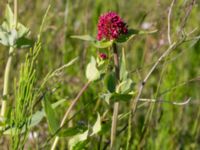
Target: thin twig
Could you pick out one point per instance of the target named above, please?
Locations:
(164, 55)
(169, 22)
(57, 71)
(74, 103)
(43, 22)
(180, 84)
(165, 101)
(184, 21)
(134, 104)
(15, 13)
(68, 112)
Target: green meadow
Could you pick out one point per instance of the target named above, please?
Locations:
(59, 94)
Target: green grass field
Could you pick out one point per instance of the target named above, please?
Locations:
(42, 87)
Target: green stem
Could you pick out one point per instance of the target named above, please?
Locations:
(116, 104)
(6, 83)
(129, 132)
(8, 68)
(114, 126)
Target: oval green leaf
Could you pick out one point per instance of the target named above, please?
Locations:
(92, 72)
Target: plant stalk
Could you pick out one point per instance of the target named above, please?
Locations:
(6, 83)
(116, 104)
(15, 13)
(68, 112)
(8, 68)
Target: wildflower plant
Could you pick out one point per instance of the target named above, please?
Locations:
(107, 70)
(112, 30)
(110, 64)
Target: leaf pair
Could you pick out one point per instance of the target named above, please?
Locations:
(11, 34)
(95, 43)
(124, 87)
(108, 43)
(121, 91)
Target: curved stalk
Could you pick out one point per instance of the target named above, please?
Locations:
(116, 104)
(6, 83)
(8, 68)
(68, 112)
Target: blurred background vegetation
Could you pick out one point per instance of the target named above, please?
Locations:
(157, 126)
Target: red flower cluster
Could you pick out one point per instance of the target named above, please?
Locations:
(103, 56)
(111, 26)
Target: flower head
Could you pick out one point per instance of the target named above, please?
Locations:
(103, 56)
(111, 26)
